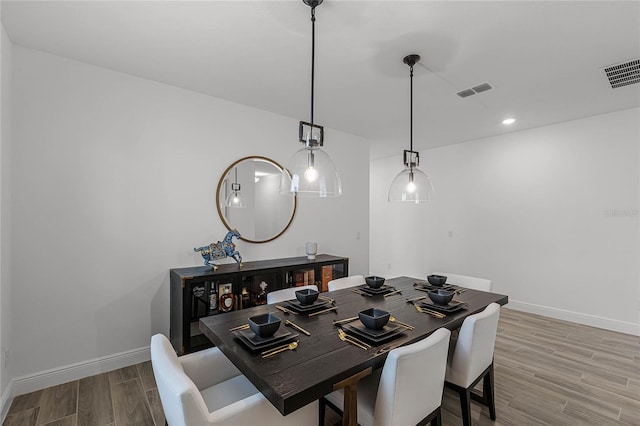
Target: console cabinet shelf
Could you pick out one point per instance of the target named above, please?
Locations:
(200, 291)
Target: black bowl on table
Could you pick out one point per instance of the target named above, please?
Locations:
(374, 282)
(264, 325)
(441, 297)
(437, 280)
(307, 296)
(374, 318)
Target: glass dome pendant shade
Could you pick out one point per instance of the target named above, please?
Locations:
(235, 198)
(411, 184)
(311, 171)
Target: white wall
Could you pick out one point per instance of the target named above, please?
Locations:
(550, 215)
(5, 230)
(114, 181)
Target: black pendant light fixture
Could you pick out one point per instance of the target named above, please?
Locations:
(235, 198)
(411, 184)
(311, 171)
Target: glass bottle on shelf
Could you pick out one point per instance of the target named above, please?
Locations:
(227, 300)
(245, 301)
(261, 298)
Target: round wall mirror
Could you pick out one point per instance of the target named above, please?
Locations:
(249, 200)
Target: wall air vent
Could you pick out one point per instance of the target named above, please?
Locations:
(623, 74)
(482, 87)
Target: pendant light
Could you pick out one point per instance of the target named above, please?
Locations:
(311, 172)
(235, 198)
(412, 184)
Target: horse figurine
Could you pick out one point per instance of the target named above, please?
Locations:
(220, 250)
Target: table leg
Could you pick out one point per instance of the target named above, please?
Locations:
(350, 407)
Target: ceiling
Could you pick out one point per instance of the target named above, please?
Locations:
(544, 58)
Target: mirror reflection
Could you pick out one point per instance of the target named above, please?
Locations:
(248, 199)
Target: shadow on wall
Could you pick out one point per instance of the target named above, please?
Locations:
(128, 322)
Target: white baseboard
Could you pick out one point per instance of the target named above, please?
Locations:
(69, 373)
(6, 398)
(577, 317)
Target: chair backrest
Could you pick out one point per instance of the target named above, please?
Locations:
(473, 283)
(287, 293)
(412, 381)
(473, 352)
(181, 400)
(346, 282)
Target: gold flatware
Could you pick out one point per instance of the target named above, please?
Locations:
(286, 310)
(400, 323)
(297, 327)
(422, 289)
(337, 322)
(240, 327)
(362, 293)
(430, 312)
(289, 347)
(328, 299)
(324, 311)
(460, 302)
(393, 292)
(346, 338)
(415, 299)
(341, 332)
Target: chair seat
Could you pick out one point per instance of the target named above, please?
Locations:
(228, 392)
(367, 392)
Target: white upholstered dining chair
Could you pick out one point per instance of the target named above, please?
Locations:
(205, 388)
(287, 293)
(346, 282)
(473, 283)
(406, 391)
(472, 360)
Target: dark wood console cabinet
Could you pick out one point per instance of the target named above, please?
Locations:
(198, 292)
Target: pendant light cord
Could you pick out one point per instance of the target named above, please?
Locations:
(313, 57)
(411, 118)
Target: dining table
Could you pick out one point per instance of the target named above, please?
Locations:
(321, 362)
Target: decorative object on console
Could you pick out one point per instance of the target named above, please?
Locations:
(220, 250)
(312, 250)
(313, 173)
(411, 184)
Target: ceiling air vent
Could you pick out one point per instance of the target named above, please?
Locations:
(623, 74)
(482, 87)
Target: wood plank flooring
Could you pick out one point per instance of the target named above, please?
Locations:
(547, 372)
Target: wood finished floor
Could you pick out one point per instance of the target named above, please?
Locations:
(548, 372)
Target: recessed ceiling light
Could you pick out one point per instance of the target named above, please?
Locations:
(508, 121)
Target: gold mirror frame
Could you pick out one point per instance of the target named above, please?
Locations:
(220, 200)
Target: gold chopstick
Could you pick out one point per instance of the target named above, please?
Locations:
(416, 298)
(328, 299)
(285, 310)
(324, 311)
(296, 326)
(361, 292)
(336, 322)
(393, 292)
(240, 327)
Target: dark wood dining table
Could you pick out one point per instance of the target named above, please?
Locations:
(322, 362)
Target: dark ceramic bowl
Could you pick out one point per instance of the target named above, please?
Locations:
(374, 318)
(264, 325)
(441, 297)
(374, 282)
(307, 296)
(437, 280)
